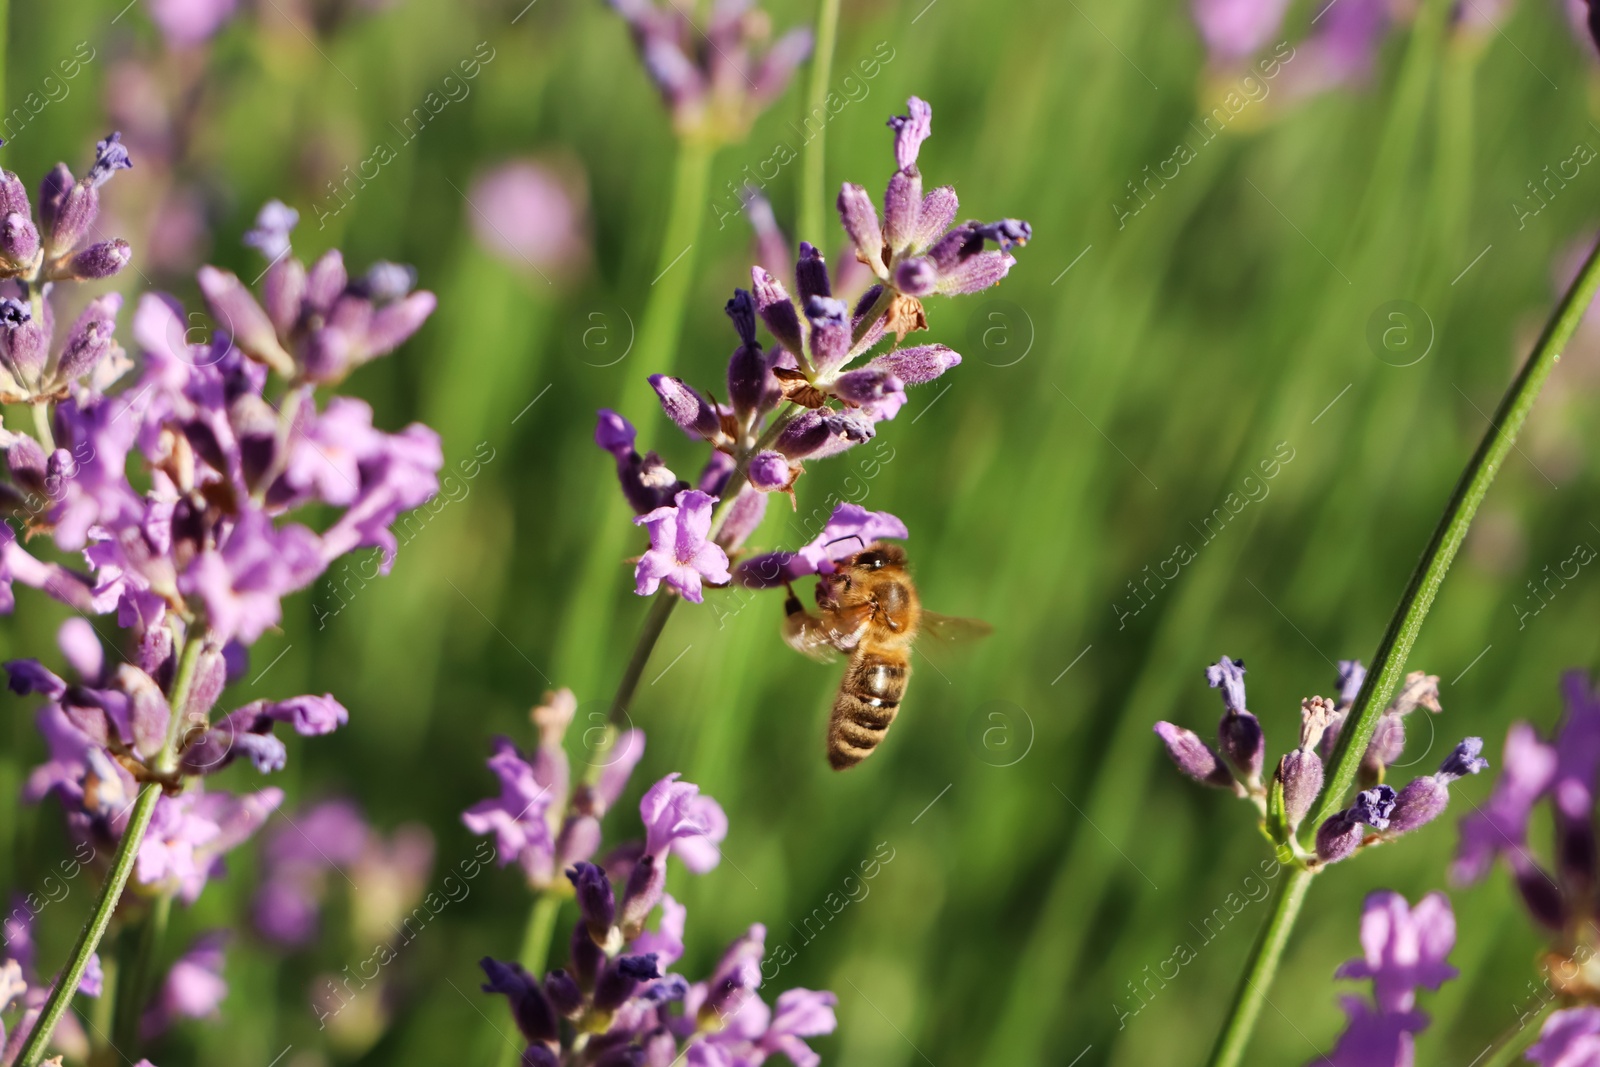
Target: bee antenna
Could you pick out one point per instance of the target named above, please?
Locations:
(847, 537)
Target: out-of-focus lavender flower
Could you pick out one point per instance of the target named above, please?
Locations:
(850, 529)
(680, 553)
(715, 78)
(189, 835)
(1234, 30)
(1403, 948)
(193, 988)
(532, 216)
(330, 834)
(517, 816)
(1341, 48)
(186, 23)
(1569, 1038)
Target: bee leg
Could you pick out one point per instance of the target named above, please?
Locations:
(792, 605)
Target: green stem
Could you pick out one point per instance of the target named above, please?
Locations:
(535, 951)
(1509, 1048)
(121, 868)
(813, 196)
(1257, 978)
(669, 292)
(41, 409)
(655, 621)
(137, 967)
(1388, 665)
(93, 930)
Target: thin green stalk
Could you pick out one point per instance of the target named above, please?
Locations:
(655, 621)
(1509, 1049)
(137, 966)
(535, 951)
(93, 930)
(41, 412)
(1388, 665)
(1257, 978)
(669, 292)
(111, 892)
(813, 196)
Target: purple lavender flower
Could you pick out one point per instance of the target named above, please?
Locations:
(1403, 948)
(517, 817)
(646, 481)
(189, 834)
(193, 988)
(186, 23)
(913, 249)
(680, 554)
(849, 530)
(677, 819)
(1341, 833)
(1500, 824)
(1569, 1038)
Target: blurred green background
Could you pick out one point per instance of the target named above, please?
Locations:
(1045, 854)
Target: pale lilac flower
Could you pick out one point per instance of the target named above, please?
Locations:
(190, 833)
(1237, 29)
(243, 581)
(679, 820)
(185, 23)
(517, 817)
(1569, 1038)
(680, 553)
(1500, 824)
(1403, 948)
(193, 988)
(274, 224)
(531, 216)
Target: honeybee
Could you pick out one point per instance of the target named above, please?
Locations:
(869, 609)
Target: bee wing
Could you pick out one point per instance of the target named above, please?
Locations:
(951, 628)
(811, 636)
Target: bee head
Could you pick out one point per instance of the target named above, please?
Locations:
(880, 556)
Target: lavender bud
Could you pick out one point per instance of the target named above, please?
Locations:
(534, 1016)
(595, 900)
(241, 317)
(1464, 760)
(746, 513)
(621, 977)
(14, 195)
(282, 292)
(714, 475)
(1193, 757)
(1337, 837)
(19, 241)
(148, 712)
(1575, 849)
(386, 282)
(211, 674)
(91, 338)
(975, 273)
(326, 281)
(910, 130)
(100, 260)
(803, 436)
(1228, 675)
(1419, 803)
(1007, 233)
(646, 882)
(902, 203)
(53, 194)
(24, 341)
(1351, 676)
(584, 957)
(770, 472)
(1300, 772)
(392, 325)
(938, 211)
(110, 156)
(916, 276)
(741, 310)
(693, 414)
(1242, 741)
(748, 377)
(563, 993)
(1373, 807)
(77, 208)
(860, 220)
(918, 364)
(811, 274)
(776, 309)
(830, 331)
(880, 393)
(26, 459)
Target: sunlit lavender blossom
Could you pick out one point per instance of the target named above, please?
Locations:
(193, 987)
(530, 215)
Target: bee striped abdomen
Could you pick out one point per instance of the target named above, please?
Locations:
(868, 700)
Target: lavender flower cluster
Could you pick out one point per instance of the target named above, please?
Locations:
(805, 397)
(615, 1002)
(173, 484)
(1378, 812)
